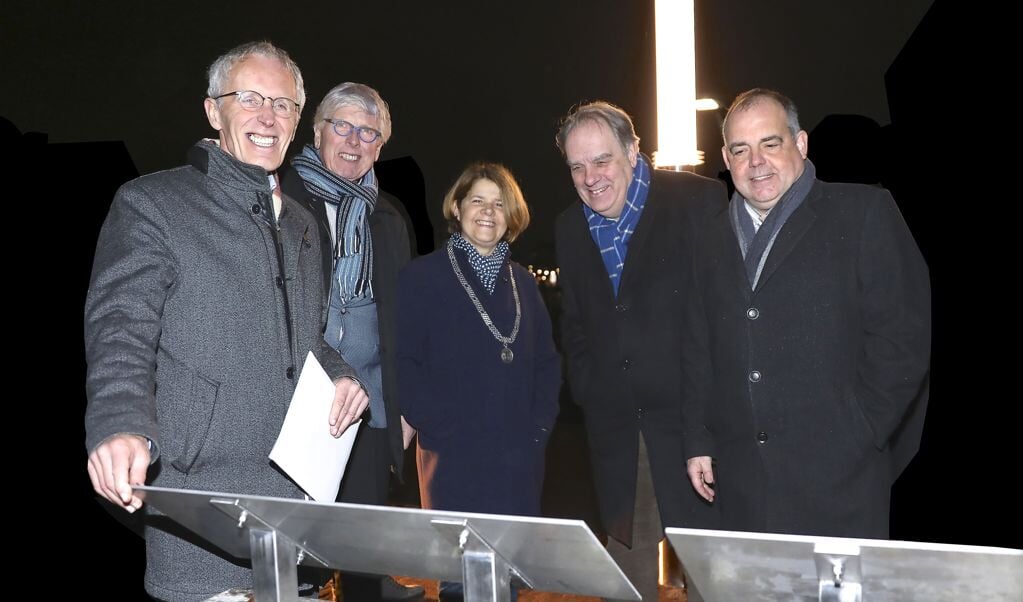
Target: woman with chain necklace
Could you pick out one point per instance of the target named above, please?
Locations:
(478, 374)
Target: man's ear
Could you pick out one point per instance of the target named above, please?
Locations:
(633, 154)
(213, 113)
(802, 143)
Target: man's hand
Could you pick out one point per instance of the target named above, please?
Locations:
(350, 401)
(115, 465)
(701, 475)
(407, 432)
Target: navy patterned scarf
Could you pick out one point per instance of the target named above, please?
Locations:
(486, 267)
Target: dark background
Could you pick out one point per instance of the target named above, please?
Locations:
(99, 93)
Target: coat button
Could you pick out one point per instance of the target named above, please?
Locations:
(256, 209)
(754, 377)
(761, 437)
(621, 308)
(290, 372)
(626, 364)
(280, 282)
(752, 313)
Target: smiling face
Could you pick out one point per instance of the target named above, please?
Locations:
(481, 216)
(762, 154)
(601, 169)
(256, 137)
(348, 157)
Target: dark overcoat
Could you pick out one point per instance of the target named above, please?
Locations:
(483, 424)
(623, 353)
(809, 391)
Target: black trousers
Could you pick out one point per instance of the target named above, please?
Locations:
(368, 473)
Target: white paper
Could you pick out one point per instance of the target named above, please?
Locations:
(305, 449)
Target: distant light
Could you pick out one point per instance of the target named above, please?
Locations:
(707, 104)
(676, 84)
(547, 277)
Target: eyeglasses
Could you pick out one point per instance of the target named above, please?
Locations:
(344, 129)
(250, 100)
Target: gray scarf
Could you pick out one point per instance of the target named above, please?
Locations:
(756, 244)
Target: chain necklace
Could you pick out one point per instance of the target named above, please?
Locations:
(506, 353)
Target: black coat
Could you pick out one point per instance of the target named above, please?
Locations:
(624, 355)
(391, 252)
(799, 387)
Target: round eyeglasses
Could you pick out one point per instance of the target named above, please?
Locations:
(250, 100)
(344, 129)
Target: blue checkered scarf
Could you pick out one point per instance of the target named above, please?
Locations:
(612, 235)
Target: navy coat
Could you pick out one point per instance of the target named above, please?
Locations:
(483, 424)
(809, 391)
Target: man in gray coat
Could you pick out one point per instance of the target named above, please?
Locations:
(206, 296)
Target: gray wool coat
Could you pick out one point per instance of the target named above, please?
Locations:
(200, 313)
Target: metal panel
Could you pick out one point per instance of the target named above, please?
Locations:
(553, 555)
(731, 565)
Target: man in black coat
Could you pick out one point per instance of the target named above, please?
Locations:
(622, 252)
(807, 345)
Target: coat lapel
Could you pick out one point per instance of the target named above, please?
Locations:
(790, 235)
(729, 256)
(591, 259)
(296, 238)
(634, 253)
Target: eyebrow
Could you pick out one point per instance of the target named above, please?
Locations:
(600, 157)
(770, 138)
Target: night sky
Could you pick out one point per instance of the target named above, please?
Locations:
(465, 80)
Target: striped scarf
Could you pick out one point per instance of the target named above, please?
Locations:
(612, 235)
(352, 203)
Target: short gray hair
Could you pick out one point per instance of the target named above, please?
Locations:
(220, 69)
(750, 98)
(350, 94)
(617, 120)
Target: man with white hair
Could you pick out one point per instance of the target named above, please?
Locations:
(206, 296)
(364, 243)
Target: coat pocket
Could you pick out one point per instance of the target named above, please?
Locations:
(860, 427)
(186, 400)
